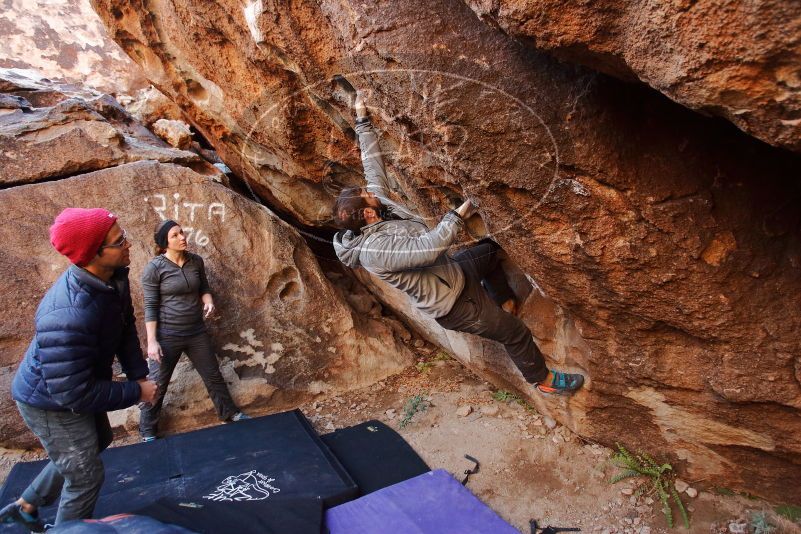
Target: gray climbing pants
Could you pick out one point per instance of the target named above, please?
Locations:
(73, 443)
(475, 312)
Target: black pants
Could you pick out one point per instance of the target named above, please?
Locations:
(199, 350)
(476, 313)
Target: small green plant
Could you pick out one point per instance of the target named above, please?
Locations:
(760, 523)
(441, 356)
(789, 511)
(424, 367)
(660, 475)
(415, 404)
(505, 396)
(724, 491)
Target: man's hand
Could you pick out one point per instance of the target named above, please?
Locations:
(359, 106)
(466, 210)
(208, 309)
(148, 388)
(154, 351)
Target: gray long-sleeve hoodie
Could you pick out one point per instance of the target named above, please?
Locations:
(403, 252)
(172, 295)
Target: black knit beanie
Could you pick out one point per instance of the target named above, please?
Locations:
(160, 236)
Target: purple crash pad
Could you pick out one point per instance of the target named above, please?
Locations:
(431, 503)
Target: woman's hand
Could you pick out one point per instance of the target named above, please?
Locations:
(208, 308)
(154, 351)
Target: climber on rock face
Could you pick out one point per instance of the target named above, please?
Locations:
(397, 246)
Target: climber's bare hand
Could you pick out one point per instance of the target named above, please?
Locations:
(359, 105)
(466, 210)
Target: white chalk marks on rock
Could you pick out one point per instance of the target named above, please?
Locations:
(191, 215)
(255, 349)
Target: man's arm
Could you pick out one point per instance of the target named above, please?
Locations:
(386, 252)
(67, 352)
(373, 162)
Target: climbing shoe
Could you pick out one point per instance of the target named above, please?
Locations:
(13, 513)
(562, 384)
(148, 439)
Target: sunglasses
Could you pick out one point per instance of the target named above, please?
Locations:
(121, 242)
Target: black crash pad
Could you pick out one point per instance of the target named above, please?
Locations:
(276, 515)
(247, 461)
(374, 455)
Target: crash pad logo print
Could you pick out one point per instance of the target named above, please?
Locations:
(250, 486)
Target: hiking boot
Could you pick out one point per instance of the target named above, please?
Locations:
(13, 513)
(563, 384)
(239, 416)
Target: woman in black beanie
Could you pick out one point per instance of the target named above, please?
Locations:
(177, 299)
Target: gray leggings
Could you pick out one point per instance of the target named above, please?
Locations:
(476, 313)
(201, 353)
(73, 443)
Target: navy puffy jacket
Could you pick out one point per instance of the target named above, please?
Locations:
(81, 324)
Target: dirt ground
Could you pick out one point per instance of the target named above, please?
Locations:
(531, 467)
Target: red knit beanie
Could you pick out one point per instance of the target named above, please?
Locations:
(78, 233)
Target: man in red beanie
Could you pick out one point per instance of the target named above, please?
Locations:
(64, 387)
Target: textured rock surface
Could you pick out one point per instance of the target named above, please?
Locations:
(176, 133)
(64, 39)
(671, 240)
(149, 105)
(739, 60)
(283, 330)
(73, 132)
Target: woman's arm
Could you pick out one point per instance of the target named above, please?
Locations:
(205, 291)
(153, 345)
(208, 304)
(151, 286)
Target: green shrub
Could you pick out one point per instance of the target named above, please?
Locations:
(789, 511)
(505, 396)
(661, 478)
(424, 367)
(760, 523)
(415, 404)
(441, 356)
